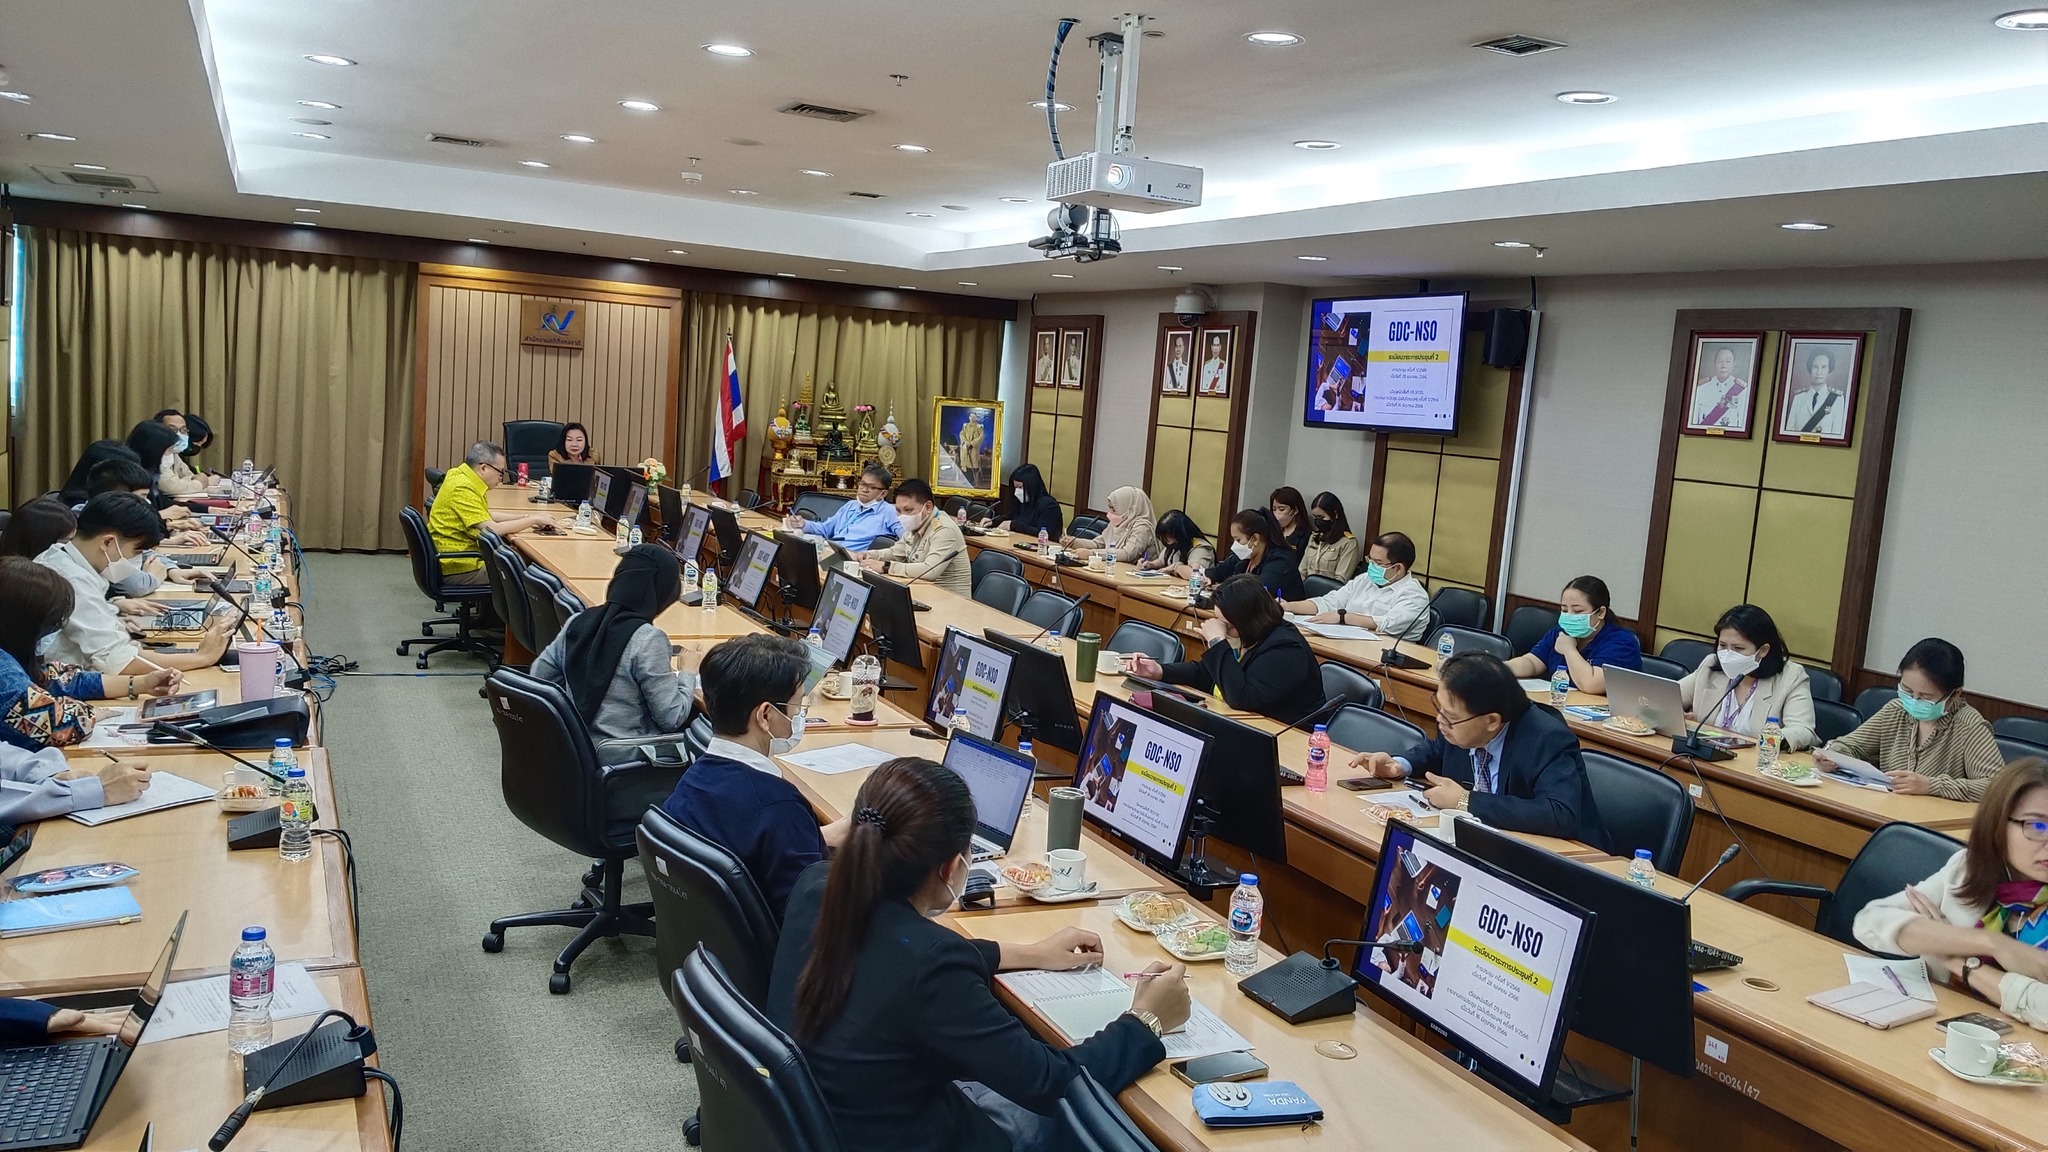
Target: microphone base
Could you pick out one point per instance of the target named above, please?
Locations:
(1699, 749)
(1395, 658)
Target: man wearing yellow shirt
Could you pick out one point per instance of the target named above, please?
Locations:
(462, 510)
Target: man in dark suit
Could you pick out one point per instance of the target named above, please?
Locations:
(1511, 763)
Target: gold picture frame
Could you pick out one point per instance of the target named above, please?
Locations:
(966, 448)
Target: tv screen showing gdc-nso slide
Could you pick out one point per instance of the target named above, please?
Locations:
(1385, 363)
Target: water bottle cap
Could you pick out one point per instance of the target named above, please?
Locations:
(252, 933)
(1642, 853)
(1246, 878)
(1323, 729)
(296, 773)
(281, 742)
(1770, 719)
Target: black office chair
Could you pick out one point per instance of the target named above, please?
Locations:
(1465, 640)
(554, 784)
(540, 586)
(1086, 527)
(1668, 669)
(1833, 719)
(1896, 855)
(567, 605)
(1363, 729)
(1096, 1122)
(1049, 610)
(1002, 591)
(1461, 606)
(953, 506)
(1642, 808)
(881, 542)
(1824, 684)
(989, 560)
(756, 1092)
(2013, 748)
(467, 599)
(1687, 652)
(528, 442)
(1870, 700)
(1527, 624)
(504, 586)
(703, 895)
(520, 623)
(434, 477)
(1343, 682)
(2032, 729)
(1314, 586)
(749, 499)
(976, 511)
(817, 505)
(1150, 639)
(5, 518)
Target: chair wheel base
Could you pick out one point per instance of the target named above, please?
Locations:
(401, 650)
(493, 942)
(693, 1131)
(558, 983)
(683, 1050)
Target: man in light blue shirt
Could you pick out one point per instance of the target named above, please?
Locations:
(862, 520)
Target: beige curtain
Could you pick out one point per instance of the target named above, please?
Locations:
(878, 358)
(297, 360)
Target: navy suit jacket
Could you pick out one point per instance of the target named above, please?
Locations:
(1541, 780)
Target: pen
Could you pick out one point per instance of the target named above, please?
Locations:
(1893, 976)
(1142, 975)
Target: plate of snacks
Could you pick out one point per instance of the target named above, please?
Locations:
(1196, 941)
(244, 797)
(1153, 912)
(1629, 725)
(1028, 877)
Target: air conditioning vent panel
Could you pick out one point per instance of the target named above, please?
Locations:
(1520, 45)
(97, 181)
(814, 111)
(458, 141)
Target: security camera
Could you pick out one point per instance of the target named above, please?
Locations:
(1191, 305)
(692, 176)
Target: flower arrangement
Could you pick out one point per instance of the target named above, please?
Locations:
(654, 470)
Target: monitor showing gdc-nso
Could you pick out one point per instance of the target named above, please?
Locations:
(1385, 363)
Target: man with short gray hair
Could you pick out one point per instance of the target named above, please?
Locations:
(462, 511)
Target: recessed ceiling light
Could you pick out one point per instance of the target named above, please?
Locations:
(1274, 39)
(536, 164)
(1317, 259)
(1056, 106)
(968, 283)
(640, 259)
(733, 50)
(743, 191)
(57, 136)
(1063, 275)
(326, 104)
(1015, 199)
(910, 147)
(578, 138)
(820, 172)
(1512, 244)
(313, 135)
(956, 207)
(308, 211)
(639, 106)
(91, 167)
(331, 61)
(311, 120)
(142, 206)
(1170, 268)
(1317, 145)
(17, 97)
(835, 269)
(678, 252)
(785, 273)
(1804, 226)
(2030, 20)
(921, 215)
(1587, 97)
(476, 240)
(908, 287)
(306, 223)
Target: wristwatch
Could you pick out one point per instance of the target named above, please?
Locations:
(1150, 1021)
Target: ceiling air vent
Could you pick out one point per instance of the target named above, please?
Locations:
(1519, 45)
(824, 112)
(865, 195)
(458, 141)
(103, 181)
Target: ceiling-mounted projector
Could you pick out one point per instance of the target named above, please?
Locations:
(1130, 183)
(1081, 234)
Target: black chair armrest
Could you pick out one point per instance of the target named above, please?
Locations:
(1745, 890)
(471, 555)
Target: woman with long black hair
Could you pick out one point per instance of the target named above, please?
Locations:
(1029, 507)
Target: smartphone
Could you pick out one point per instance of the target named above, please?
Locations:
(177, 707)
(1225, 1066)
(1978, 1018)
(1365, 784)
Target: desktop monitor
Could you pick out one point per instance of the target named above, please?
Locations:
(893, 621)
(971, 674)
(632, 506)
(1041, 698)
(1240, 791)
(695, 521)
(730, 534)
(841, 605)
(1637, 991)
(671, 505)
(796, 558)
(750, 571)
(1499, 961)
(601, 493)
(571, 483)
(1138, 773)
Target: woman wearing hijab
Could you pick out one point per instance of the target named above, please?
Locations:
(1130, 529)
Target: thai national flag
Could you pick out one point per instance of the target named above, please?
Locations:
(732, 418)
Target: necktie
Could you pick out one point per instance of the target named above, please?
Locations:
(1482, 770)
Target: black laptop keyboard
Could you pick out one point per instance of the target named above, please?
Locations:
(39, 1090)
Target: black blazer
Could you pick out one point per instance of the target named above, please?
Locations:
(1277, 677)
(1044, 512)
(1297, 541)
(922, 1014)
(1542, 780)
(1277, 570)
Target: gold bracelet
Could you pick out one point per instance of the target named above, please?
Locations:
(131, 687)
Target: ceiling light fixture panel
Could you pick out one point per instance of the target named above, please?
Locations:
(578, 138)
(916, 149)
(639, 105)
(730, 51)
(323, 105)
(1804, 226)
(1273, 39)
(2029, 20)
(331, 61)
(1317, 145)
(1586, 98)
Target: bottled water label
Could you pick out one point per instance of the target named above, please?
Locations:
(1243, 919)
(251, 980)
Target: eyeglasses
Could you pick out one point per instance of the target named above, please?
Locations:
(1443, 721)
(2035, 830)
(867, 486)
(492, 467)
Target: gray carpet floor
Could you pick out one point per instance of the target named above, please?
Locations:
(487, 1057)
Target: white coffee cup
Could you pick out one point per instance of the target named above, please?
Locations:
(1972, 1048)
(1109, 664)
(1070, 870)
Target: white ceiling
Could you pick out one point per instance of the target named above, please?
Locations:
(1916, 128)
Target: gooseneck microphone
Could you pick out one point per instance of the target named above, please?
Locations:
(1691, 745)
(1075, 612)
(1393, 657)
(1727, 854)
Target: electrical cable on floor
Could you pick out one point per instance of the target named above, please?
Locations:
(397, 1103)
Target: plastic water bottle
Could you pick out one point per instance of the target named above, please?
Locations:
(816, 637)
(252, 978)
(1316, 776)
(245, 479)
(1641, 870)
(282, 762)
(1560, 687)
(1044, 543)
(295, 817)
(1052, 641)
(264, 586)
(1767, 742)
(1446, 647)
(963, 514)
(522, 474)
(1247, 909)
(1024, 750)
(691, 573)
(636, 536)
(583, 514)
(252, 530)
(709, 589)
(960, 723)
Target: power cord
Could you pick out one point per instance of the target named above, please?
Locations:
(1052, 117)
(348, 857)
(357, 1035)
(1718, 810)
(397, 1103)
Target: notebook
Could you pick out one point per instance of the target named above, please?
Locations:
(164, 791)
(87, 908)
(1879, 1007)
(1082, 1003)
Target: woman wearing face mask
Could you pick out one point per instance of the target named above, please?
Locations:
(1290, 518)
(1750, 655)
(1179, 547)
(895, 1014)
(1255, 658)
(734, 794)
(1030, 507)
(1256, 548)
(1584, 640)
(114, 530)
(615, 662)
(42, 706)
(1130, 530)
(1332, 549)
(157, 445)
(1982, 921)
(1929, 741)
(174, 476)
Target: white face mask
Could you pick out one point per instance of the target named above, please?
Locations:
(952, 897)
(784, 745)
(913, 521)
(1737, 664)
(184, 442)
(120, 568)
(1020, 494)
(46, 645)
(1241, 550)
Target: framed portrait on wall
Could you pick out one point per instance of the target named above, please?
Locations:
(1817, 387)
(967, 441)
(1073, 355)
(1720, 393)
(1176, 370)
(1216, 361)
(1045, 359)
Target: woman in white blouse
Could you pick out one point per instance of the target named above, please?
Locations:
(1749, 652)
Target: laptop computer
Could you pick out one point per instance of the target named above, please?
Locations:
(50, 1094)
(1000, 779)
(1652, 699)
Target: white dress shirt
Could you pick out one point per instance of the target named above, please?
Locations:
(1394, 608)
(93, 636)
(732, 750)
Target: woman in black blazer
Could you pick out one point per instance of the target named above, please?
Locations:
(1256, 547)
(1256, 658)
(895, 1014)
(1030, 507)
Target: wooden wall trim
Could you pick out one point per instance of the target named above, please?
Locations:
(535, 283)
(1091, 388)
(423, 250)
(1503, 485)
(1240, 397)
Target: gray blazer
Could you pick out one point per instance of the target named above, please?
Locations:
(645, 700)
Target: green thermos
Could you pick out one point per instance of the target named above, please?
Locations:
(1086, 653)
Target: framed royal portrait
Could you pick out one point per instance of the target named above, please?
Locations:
(1045, 359)
(1817, 388)
(1177, 363)
(1073, 358)
(1720, 391)
(967, 442)
(1216, 350)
